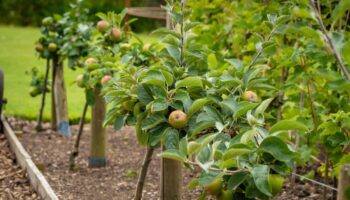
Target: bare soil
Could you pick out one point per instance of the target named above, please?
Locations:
(118, 179)
(14, 183)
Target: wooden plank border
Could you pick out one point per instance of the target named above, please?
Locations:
(37, 179)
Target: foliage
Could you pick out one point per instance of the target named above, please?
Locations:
(30, 12)
(264, 50)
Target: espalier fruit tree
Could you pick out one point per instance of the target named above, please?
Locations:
(307, 62)
(99, 67)
(62, 38)
(109, 52)
(197, 108)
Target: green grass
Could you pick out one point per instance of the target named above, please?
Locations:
(17, 56)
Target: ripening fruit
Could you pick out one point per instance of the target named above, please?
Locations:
(146, 46)
(215, 187)
(102, 26)
(105, 79)
(250, 96)
(116, 34)
(125, 46)
(39, 47)
(276, 183)
(80, 80)
(225, 195)
(47, 21)
(90, 63)
(52, 47)
(178, 119)
(35, 92)
(129, 105)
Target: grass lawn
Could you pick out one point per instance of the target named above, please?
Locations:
(17, 55)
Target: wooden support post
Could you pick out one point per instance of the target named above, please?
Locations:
(53, 107)
(344, 183)
(98, 133)
(61, 107)
(171, 177)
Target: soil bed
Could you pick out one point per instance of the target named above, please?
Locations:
(117, 181)
(14, 183)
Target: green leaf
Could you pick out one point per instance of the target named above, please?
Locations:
(340, 10)
(144, 94)
(184, 98)
(285, 125)
(152, 121)
(154, 77)
(198, 127)
(190, 25)
(90, 97)
(235, 152)
(174, 52)
(142, 137)
(171, 138)
(276, 147)
(119, 122)
(243, 107)
(192, 81)
(260, 175)
(262, 107)
(183, 145)
(173, 154)
(197, 105)
(236, 179)
(168, 76)
(212, 62)
(159, 104)
(166, 31)
(346, 52)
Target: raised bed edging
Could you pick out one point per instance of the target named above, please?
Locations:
(37, 179)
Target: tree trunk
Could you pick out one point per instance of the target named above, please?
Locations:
(143, 172)
(61, 99)
(75, 151)
(98, 140)
(43, 98)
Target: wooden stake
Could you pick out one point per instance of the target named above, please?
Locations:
(98, 139)
(53, 107)
(171, 179)
(43, 92)
(344, 182)
(61, 99)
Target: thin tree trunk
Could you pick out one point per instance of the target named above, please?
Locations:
(61, 99)
(43, 92)
(98, 140)
(143, 172)
(75, 151)
(284, 75)
(53, 106)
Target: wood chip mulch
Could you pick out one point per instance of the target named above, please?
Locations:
(116, 181)
(14, 183)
